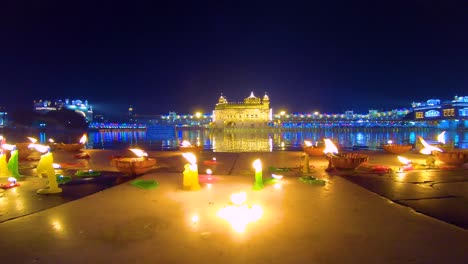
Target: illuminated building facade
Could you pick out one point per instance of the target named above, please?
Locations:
(83, 108)
(453, 113)
(3, 117)
(254, 112)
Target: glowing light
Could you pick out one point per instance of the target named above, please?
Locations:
(140, 153)
(441, 137)
(195, 219)
(278, 177)
(404, 160)
(33, 140)
(282, 113)
(208, 171)
(308, 143)
(51, 140)
(389, 142)
(427, 150)
(257, 164)
(56, 225)
(239, 214)
(214, 159)
(329, 146)
(40, 148)
(12, 180)
(83, 139)
(8, 147)
(56, 166)
(197, 114)
(277, 185)
(190, 157)
(185, 143)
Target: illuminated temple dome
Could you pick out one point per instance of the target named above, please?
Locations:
(254, 112)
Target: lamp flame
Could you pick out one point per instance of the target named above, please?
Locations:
(404, 160)
(190, 157)
(390, 142)
(140, 153)
(257, 164)
(308, 143)
(276, 176)
(39, 147)
(8, 147)
(427, 150)
(12, 180)
(33, 140)
(56, 166)
(329, 146)
(51, 140)
(185, 143)
(209, 171)
(83, 139)
(441, 137)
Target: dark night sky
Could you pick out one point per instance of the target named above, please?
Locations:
(159, 56)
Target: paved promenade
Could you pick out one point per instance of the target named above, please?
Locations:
(341, 222)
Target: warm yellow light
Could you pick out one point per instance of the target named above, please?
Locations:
(209, 171)
(282, 113)
(390, 142)
(190, 157)
(185, 143)
(39, 147)
(51, 140)
(441, 137)
(427, 147)
(33, 140)
(329, 146)
(195, 219)
(197, 114)
(56, 166)
(239, 214)
(83, 139)
(257, 164)
(308, 143)
(8, 147)
(276, 176)
(404, 160)
(238, 198)
(140, 153)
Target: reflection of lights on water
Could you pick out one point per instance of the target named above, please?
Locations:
(239, 214)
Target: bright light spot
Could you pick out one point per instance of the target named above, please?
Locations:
(239, 214)
(208, 171)
(282, 113)
(83, 139)
(140, 153)
(209, 185)
(329, 146)
(56, 166)
(404, 160)
(441, 137)
(195, 219)
(190, 157)
(257, 164)
(51, 140)
(33, 140)
(427, 150)
(185, 143)
(40, 148)
(12, 180)
(277, 185)
(308, 143)
(389, 142)
(276, 176)
(8, 146)
(56, 225)
(198, 114)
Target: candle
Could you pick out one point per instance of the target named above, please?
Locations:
(45, 166)
(190, 180)
(3, 166)
(13, 164)
(257, 164)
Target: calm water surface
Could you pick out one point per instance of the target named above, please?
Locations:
(248, 140)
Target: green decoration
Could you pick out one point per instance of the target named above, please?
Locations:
(62, 179)
(312, 180)
(145, 184)
(87, 173)
(274, 169)
(13, 164)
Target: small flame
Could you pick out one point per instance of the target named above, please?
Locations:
(33, 140)
(329, 146)
(40, 148)
(390, 142)
(83, 139)
(238, 198)
(56, 166)
(8, 147)
(441, 137)
(51, 140)
(276, 176)
(404, 160)
(190, 157)
(427, 148)
(185, 143)
(12, 180)
(208, 171)
(308, 143)
(195, 219)
(257, 164)
(140, 153)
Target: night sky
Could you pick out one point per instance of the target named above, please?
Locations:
(162, 56)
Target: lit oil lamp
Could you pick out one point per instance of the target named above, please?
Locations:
(239, 214)
(428, 149)
(134, 166)
(190, 180)
(342, 160)
(258, 185)
(441, 137)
